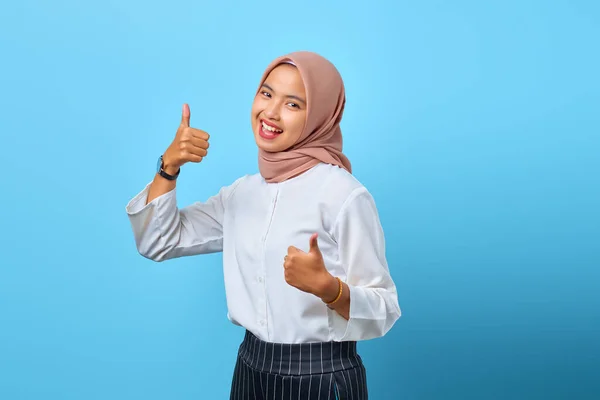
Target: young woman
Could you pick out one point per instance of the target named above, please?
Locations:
(303, 248)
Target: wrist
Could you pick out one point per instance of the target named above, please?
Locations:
(170, 167)
(329, 289)
(171, 170)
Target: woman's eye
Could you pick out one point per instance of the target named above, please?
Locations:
(266, 94)
(293, 105)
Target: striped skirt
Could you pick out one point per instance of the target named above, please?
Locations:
(319, 371)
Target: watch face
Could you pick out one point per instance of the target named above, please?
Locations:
(159, 164)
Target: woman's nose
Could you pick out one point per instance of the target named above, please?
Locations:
(272, 110)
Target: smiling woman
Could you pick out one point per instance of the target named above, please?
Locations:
(303, 249)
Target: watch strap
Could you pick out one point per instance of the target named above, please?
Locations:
(164, 174)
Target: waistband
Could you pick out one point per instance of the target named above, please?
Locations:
(298, 358)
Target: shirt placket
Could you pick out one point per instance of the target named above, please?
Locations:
(262, 276)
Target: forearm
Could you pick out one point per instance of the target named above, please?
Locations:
(330, 292)
(161, 185)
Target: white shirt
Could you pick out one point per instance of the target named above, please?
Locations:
(253, 223)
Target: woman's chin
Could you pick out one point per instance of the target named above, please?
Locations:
(271, 145)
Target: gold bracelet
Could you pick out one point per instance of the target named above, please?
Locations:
(339, 292)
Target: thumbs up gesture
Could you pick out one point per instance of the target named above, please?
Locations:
(189, 145)
(307, 271)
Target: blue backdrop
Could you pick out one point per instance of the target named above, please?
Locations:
(474, 124)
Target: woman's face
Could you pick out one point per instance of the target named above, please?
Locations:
(279, 110)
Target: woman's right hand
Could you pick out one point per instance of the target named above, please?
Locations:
(189, 145)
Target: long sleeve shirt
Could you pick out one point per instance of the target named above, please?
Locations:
(253, 223)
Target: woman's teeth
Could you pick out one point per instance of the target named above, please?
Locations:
(270, 129)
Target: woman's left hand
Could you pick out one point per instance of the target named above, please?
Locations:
(307, 272)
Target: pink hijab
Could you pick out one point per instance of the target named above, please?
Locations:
(321, 140)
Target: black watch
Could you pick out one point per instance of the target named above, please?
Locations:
(161, 171)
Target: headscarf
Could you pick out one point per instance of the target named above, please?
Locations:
(321, 139)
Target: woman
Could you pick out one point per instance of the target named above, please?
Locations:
(303, 249)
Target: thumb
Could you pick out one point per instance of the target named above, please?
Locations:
(314, 246)
(185, 116)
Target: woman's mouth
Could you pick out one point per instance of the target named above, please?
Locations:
(268, 131)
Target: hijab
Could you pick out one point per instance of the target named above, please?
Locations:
(321, 139)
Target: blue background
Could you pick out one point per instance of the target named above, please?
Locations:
(474, 124)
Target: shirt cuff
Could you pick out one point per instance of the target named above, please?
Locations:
(138, 203)
(348, 329)
(368, 317)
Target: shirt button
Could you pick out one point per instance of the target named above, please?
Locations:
(260, 279)
(262, 322)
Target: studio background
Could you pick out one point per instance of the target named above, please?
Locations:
(475, 125)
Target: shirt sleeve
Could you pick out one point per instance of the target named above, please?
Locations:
(162, 231)
(373, 297)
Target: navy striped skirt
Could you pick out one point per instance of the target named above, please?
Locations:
(320, 371)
